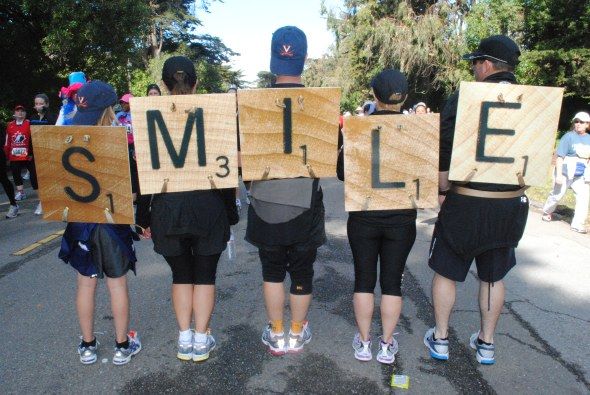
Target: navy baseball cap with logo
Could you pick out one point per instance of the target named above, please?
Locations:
(288, 50)
(390, 86)
(496, 48)
(93, 97)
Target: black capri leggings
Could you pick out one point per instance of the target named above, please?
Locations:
(17, 166)
(193, 269)
(297, 260)
(391, 245)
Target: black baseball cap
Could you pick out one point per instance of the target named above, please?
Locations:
(92, 99)
(390, 86)
(496, 48)
(176, 64)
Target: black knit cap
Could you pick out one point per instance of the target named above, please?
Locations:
(390, 86)
(177, 64)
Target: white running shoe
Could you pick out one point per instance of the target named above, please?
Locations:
(39, 209)
(387, 351)
(20, 195)
(362, 349)
(12, 211)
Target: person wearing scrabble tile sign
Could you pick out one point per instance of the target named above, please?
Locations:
(481, 221)
(386, 236)
(286, 220)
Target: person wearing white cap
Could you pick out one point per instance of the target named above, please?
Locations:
(572, 170)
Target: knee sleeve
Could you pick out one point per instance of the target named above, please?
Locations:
(205, 269)
(182, 270)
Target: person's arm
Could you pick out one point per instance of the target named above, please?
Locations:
(6, 142)
(561, 152)
(143, 214)
(447, 131)
(560, 178)
(340, 160)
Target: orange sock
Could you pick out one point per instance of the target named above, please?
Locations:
(297, 327)
(276, 326)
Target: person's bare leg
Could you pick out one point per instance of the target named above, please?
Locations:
(489, 318)
(203, 305)
(299, 305)
(363, 303)
(119, 306)
(391, 308)
(182, 300)
(443, 300)
(85, 305)
(274, 300)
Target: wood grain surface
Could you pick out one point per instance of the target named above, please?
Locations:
(270, 150)
(502, 130)
(380, 150)
(98, 151)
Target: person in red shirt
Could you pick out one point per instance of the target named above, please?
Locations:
(18, 150)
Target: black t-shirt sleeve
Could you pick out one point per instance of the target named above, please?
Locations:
(447, 132)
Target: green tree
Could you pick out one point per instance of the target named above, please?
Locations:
(265, 79)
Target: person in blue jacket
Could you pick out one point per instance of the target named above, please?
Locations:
(99, 250)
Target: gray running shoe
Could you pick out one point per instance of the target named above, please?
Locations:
(123, 355)
(362, 350)
(387, 351)
(201, 350)
(483, 352)
(39, 209)
(275, 342)
(12, 211)
(185, 351)
(87, 354)
(298, 341)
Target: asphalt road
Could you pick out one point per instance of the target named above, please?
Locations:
(541, 342)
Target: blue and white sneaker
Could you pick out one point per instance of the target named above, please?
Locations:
(362, 349)
(185, 350)
(123, 355)
(201, 350)
(87, 354)
(483, 352)
(439, 349)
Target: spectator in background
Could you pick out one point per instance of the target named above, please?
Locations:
(68, 97)
(7, 185)
(572, 170)
(154, 90)
(368, 108)
(42, 115)
(17, 148)
(420, 108)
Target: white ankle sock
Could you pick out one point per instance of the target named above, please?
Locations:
(200, 337)
(185, 336)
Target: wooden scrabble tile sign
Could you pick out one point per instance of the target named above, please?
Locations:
(185, 142)
(288, 132)
(83, 173)
(391, 162)
(503, 132)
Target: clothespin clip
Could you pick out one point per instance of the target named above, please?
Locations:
(279, 104)
(520, 179)
(471, 175)
(213, 186)
(108, 216)
(165, 185)
(519, 98)
(300, 102)
(414, 204)
(172, 107)
(367, 202)
(86, 138)
(501, 98)
(64, 215)
(266, 171)
(189, 110)
(310, 170)
(69, 139)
